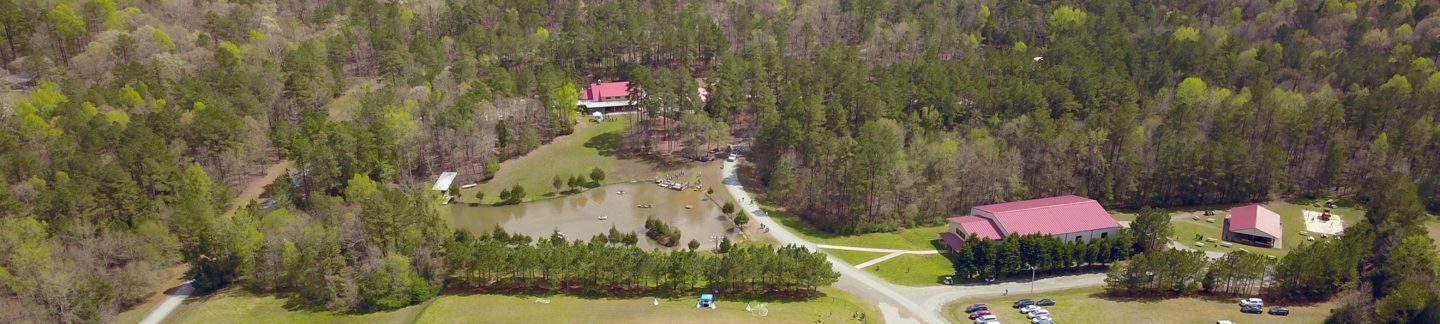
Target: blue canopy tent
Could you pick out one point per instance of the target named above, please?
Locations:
(706, 301)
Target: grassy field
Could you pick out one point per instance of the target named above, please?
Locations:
(837, 307)
(920, 238)
(914, 269)
(910, 270)
(855, 257)
(232, 305)
(235, 306)
(1084, 305)
(1291, 220)
(592, 145)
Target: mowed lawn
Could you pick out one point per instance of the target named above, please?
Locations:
(1085, 305)
(593, 145)
(836, 307)
(920, 238)
(908, 269)
(1292, 222)
(235, 306)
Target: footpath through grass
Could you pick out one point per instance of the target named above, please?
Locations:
(1086, 305)
(235, 306)
(908, 269)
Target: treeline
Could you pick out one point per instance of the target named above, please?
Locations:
(1017, 254)
(597, 267)
(1178, 272)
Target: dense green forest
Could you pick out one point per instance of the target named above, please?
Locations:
(128, 126)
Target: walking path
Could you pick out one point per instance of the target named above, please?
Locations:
(896, 307)
(878, 260)
(171, 302)
(902, 304)
(865, 249)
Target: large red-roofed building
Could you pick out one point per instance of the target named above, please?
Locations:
(1254, 225)
(606, 97)
(1069, 218)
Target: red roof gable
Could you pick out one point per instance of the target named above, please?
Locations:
(977, 225)
(1254, 217)
(1051, 216)
(598, 91)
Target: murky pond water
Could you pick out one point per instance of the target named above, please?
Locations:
(577, 216)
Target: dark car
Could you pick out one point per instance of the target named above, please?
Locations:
(1023, 303)
(1250, 309)
(1279, 310)
(979, 313)
(1045, 302)
(976, 307)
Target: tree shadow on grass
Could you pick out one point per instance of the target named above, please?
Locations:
(607, 144)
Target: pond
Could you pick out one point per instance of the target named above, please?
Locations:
(578, 215)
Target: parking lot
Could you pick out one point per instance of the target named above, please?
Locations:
(1087, 305)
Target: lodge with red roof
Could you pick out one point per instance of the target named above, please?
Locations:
(1253, 225)
(607, 97)
(1070, 218)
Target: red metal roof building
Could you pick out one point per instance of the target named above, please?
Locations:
(1254, 225)
(607, 91)
(1068, 217)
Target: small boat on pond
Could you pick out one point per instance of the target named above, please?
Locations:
(603, 217)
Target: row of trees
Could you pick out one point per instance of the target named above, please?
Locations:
(1178, 272)
(556, 265)
(1018, 254)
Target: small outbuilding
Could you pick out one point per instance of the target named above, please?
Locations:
(1253, 225)
(443, 184)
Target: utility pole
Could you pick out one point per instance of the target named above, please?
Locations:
(1032, 278)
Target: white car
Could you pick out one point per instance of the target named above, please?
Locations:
(1040, 319)
(1030, 308)
(1257, 302)
(1038, 313)
(731, 158)
(986, 319)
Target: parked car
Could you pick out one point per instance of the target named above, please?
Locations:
(1023, 303)
(1043, 322)
(1029, 308)
(1279, 310)
(1046, 302)
(976, 307)
(1257, 302)
(1224, 322)
(1038, 320)
(1251, 309)
(1038, 313)
(979, 313)
(986, 319)
(731, 158)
